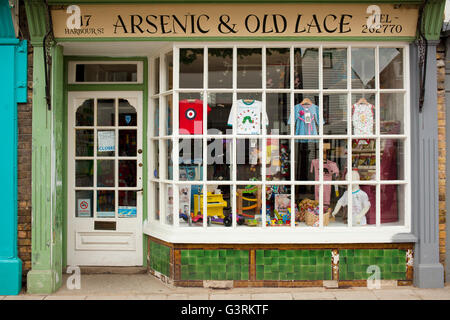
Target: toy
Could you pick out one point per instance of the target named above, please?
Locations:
(215, 208)
(242, 196)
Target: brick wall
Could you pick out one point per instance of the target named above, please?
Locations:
(442, 148)
(24, 114)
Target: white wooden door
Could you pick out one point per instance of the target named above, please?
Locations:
(104, 179)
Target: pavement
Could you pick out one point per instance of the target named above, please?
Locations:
(147, 287)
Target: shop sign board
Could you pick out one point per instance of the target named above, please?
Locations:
(233, 20)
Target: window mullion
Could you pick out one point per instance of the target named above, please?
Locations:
(350, 144)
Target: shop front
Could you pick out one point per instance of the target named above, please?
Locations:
(263, 144)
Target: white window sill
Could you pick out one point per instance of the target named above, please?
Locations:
(270, 235)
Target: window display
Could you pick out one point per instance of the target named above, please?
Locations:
(289, 137)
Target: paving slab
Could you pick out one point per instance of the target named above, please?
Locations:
(354, 295)
(396, 294)
(52, 297)
(25, 297)
(271, 296)
(311, 295)
(433, 294)
(2, 297)
(230, 296)
(178, 296)
(156, 297)
(98, 297)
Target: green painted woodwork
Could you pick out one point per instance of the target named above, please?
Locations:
(433, 17)
(221, 264)
(36, 18)
(160, 258)
(293, 265)
(353, 263)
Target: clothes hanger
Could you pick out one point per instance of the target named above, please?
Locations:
(306, 101)
(362, 100)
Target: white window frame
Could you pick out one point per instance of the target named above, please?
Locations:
(266, 234)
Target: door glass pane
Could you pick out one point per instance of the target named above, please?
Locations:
(106, 205)
(84, 141)
(334, 68)
(102, 72)
(127, 173)
(105, 112)
(127, 204)
(391, 68)
(191, 68)
(106, 140)
(306, 68)
(85, 114)
(249, 68)
(105, 173)
(84, 202)
(84, 173)
(278, 68)
(220, 68)
(363, 68)
(127, 114)
(127, 143)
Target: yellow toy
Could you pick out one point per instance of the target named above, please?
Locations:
(214, 207)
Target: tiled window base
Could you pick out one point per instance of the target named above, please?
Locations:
(280, 265)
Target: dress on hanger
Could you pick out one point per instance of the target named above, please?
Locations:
(330, 168)
(306, 120)
(362, 118)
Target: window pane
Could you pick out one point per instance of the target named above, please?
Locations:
(307, 213)
(106, 206)
(127, 204)
(169, 163)
(306, 68)
(155, 109)
(191, 68)
(105, 173)
(156, 76)
(361, 203)
(191, 206)
(391, 113)
(340, 213)
(220, 104)
(191, 159)
(305, 152)
(363, 68)
(393, 204)
(191, 113)
(155, 158)
(278, 162)
(248, 159)
(219, 212)
(278, 68)
(392, 159)
(220, 68)
(247, 113)
(334, 162)
(278, 205)
(306, 114)
(84, 202)
(335, 114)
(102, 72)
(127, 143)
(249, 68)
(84, 143)
(127, 114)
(248, 205)
(219, 156)
(168, 114)
(106, 112)
(391, 68)
(278, 106)
(168, 195)
(156, 200)
(364, 158)
(334, 68)
(363, 114)
(85, 114)
(169, 71)
(84, 173)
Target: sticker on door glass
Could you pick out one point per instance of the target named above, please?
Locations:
(127, 212)
(106, 214)
(106, 141)
(84, 207)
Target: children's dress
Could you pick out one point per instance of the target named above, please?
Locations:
(362, 118)
(329, 168)
(306, 120)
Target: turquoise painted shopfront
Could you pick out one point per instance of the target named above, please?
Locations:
(13, 90)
